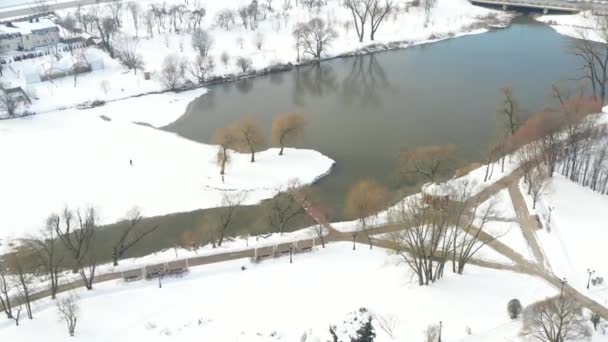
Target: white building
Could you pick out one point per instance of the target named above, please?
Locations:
(25, 35)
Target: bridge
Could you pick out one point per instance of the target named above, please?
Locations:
(562, 6)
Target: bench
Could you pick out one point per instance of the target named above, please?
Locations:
(305, 249)
(177, 272)
(131, 278)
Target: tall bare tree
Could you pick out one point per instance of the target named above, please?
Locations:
(6, 286)
(593, 55)
(128, 54)
(8, 104)
(131, 234)
(285, 206)
(25, 279)
(431, 161)
(69, 312)
(249, 135)
(360, 12)
(76, 230)
(555, 320)
(509, 111)
(202, 42)
(286, 128)
(364, 201)
(316, 37)
(45, 248)
(226, 140)
(224, 216)
(378, 11)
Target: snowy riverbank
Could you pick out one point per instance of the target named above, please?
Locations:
(81, 158)
(270, 45)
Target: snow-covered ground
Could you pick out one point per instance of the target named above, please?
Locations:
(278, 301)
(449, 18)
(76, 158)
(573, 25)
(576, 236)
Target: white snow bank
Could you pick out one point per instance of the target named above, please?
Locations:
(575, 234)
(75, 158)
(278, 301)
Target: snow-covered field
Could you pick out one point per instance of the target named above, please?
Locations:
(76, 158)
(577, 236)
(278, 301)
(574, 25)
(449, 18)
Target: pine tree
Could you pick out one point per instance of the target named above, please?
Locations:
(366, 333)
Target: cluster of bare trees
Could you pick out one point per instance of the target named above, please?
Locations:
(245, 136)
(593, 56)
(373, 10)
(314, 36)
(433, 235)
(68, 241)
(564, 139)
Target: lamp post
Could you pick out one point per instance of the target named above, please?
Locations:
(563, 281)
(590, 272)
(354, 238)
(291, 254)
(440, 328)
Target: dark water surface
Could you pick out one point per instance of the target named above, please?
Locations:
(361, 110)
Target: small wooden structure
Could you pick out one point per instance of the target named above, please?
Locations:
(435, 196)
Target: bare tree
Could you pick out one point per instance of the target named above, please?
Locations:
(131, 234)
(115, 7)
(428, 6)
(364, 201)
(432, 161)
(76, 230)
(285, 206)
(224, 216)
(226, 139)
(538, 182)
(286, 128)
(149, 22)
(201, 68)
(244, 63)
(127, 53)
(316, 37)
(424, 239)
(107, 29)
(225, 19)
(25, 279)
(8, 104)
(249, 135)
(45, 248)
(5, 290)
(431, 333)
(135, 10)
(378, 11)
(594, 56)
(555, 320)
(69, 312)
(258, 40)
(202, 41)
(359, 11)
(172, 73)
(225, 57)
(509, 111)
